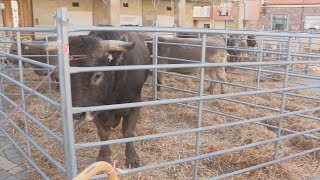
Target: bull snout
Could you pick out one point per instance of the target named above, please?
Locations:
(79, 116)
(10, 61)
(84, 116)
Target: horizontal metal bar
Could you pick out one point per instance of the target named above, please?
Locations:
(278, 72)
(191, 30)
(242, 119)
(178, 59)
(21, 152)
(31, 82)
(178, 89)
(267, 108)
(215, 153)
(246, 103)
(186, 131)
(76, 110)
(37, 122)
(30, 90)
(43, 151)
(267, 163)
(49, 55)
(195, 65)
(209, 80)
(53, 95)
(304, 96)
(27, 60)
(29, 29)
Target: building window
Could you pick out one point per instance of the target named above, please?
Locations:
(202, 11)
(312, 22)
(169, 8)
(280, 22)
(125, 4)
(224, 9)
(206, 25)
(75, 4)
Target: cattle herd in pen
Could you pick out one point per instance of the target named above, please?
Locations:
(115, 48)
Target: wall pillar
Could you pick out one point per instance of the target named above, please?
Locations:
(113, 12)
(240, 15)
(179, 13)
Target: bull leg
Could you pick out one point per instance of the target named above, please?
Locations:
(222, 76)
(128, 129)
(213, 75)
(104, 133)
(159, 80)
(54, 79)
(237, 58)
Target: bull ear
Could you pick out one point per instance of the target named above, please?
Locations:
(96, 79)
(124, 38)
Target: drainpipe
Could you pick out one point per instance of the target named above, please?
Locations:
(301, 19)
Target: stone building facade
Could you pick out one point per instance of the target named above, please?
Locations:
(293, 15)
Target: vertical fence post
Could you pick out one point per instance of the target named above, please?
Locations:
(296, 50)
(154, 62)
(283, 100)
(309, 58)
(258, 74)
(65, 90)
(48, 62)
(21, 71)
(201, 85)
(1, 90)
(280, 55)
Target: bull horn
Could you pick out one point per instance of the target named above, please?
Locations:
(50, 46)
(113, 45)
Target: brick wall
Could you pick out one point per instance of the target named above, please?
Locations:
(270, 2)
(294, 16)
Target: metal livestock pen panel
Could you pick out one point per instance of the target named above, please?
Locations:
(263, 87)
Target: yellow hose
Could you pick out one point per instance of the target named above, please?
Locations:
(26, 38)
(96, 168)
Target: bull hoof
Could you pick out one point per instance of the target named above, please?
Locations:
(210, 90)
(88, 162)
(133, 162)
(104, 158)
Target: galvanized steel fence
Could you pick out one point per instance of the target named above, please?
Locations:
(280, 56)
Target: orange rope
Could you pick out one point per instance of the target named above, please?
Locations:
(96, 168)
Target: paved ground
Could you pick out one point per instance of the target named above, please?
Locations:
(11, 167)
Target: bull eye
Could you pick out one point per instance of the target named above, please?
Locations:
(96, 79)
(98, 75)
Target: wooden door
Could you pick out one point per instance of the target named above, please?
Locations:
(25, 13)
(7, 13)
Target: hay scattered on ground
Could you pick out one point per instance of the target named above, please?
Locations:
(172, 117)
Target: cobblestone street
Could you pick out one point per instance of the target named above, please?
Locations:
(11, 167)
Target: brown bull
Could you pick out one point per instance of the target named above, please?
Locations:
(36, 49)
(213, 55)
(236, 41)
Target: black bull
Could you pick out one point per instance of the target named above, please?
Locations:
(109, 87)
(104, 88)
